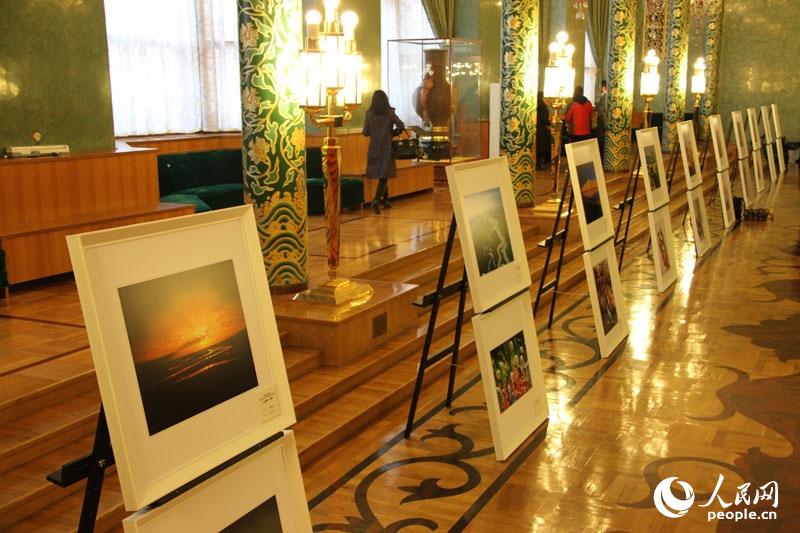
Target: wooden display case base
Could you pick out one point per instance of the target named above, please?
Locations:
(345, 332)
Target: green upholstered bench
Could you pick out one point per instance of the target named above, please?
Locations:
(352, 189)
(209, 180)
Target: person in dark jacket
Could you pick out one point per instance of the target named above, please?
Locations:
(381, 125)
(544, 139)
(579, 117)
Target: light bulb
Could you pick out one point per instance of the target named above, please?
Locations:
(570, 50)
(349, 22)
(562, 37)
(331, 6)
(554, 48)
(313, 17)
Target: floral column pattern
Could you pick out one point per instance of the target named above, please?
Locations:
(621, 46)
(711, 44)
(519, 37)
(273, 137)
(677, 58)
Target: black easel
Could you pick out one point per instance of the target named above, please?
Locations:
(549, 242)
(673, 163)
(92, 468)
(434, 300)
(627, 204)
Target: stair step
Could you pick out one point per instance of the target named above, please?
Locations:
(44, 384)
(300, 361)
(48, 429)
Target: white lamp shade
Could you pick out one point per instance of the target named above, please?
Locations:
(352, 86)
(698, 84)
(650, 82)
(315, 95)
(558, 82)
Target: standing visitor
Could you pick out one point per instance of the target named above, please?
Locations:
(544, 137)
(381, 125)
(579, 117)
(602, 116)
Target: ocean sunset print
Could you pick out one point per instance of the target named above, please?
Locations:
(189, 342)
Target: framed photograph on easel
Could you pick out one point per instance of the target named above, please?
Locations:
(605, 292)
(511, 371)
(743, 154)
(589, 189)
(755, 146)
(776, 121)
(726, 198)
(770, 143)
(489, 231)
(663, 250)
(689, 154)
(261, 492)
(720, 143)
(184, 343)
(697, 209)
(653, 164)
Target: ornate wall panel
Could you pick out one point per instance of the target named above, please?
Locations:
(621, 51)
(712, 39)
(676, 61)
(655, 29)
(518, 80)
(273, 135)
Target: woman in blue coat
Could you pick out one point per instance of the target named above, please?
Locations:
(381, 125)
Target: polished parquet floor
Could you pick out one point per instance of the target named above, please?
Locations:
(707, 384)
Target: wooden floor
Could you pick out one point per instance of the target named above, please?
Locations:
(708, 383)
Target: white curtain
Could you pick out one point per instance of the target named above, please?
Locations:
(402, 19)
(174, 66)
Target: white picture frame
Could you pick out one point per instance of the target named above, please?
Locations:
(589, 191)
(261, 492)
(697, 210)
(507, 336)
(776, 121)
(652, 162)
(726, 198)
(689, 154)
(769, 144)
(755, 148)
(152, 289)
(605, 292)
(489, 231)
(743, 154)
(662, 246)
(720, 143)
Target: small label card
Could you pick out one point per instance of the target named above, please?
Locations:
(267, 400)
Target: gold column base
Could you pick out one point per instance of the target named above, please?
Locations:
(337, 291)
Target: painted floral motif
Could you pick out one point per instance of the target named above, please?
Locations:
(677, 58)
(273, 132)
(711, 42)
(622, 27)
(519, 71)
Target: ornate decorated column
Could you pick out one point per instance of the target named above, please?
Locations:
(620, 65)
(712, 38)
(273, 137)
(677, 58)
(519, 41)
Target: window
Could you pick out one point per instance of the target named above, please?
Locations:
(174, 66)
(589, 73)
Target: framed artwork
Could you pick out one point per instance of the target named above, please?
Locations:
(690, 155)
(184, 343)
(511, 371)
(776, 121)
(652, 161)
(269, 496)
(720, 143)
(489, 231)
(748, 193)
(589, 189)
(663, 250)
(726, 198)
(755, 147)
(769, 144)
(605, 292)
(697, 208)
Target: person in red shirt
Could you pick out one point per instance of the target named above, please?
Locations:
(579, 117)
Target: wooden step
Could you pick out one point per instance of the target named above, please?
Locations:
(300, 361)
(48, 429)
(44, 384)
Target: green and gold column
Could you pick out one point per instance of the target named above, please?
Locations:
(712, 38)
(519, 41)
(677, 59)
(620, 65)
(273, 137)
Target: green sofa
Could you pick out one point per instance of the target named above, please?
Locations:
(209, 180)
(213, 180)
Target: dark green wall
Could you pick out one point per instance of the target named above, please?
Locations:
(480, 19)
(54, 74)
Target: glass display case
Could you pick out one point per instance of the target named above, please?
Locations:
(434, 86)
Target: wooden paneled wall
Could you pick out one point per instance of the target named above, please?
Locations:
(172, 144)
